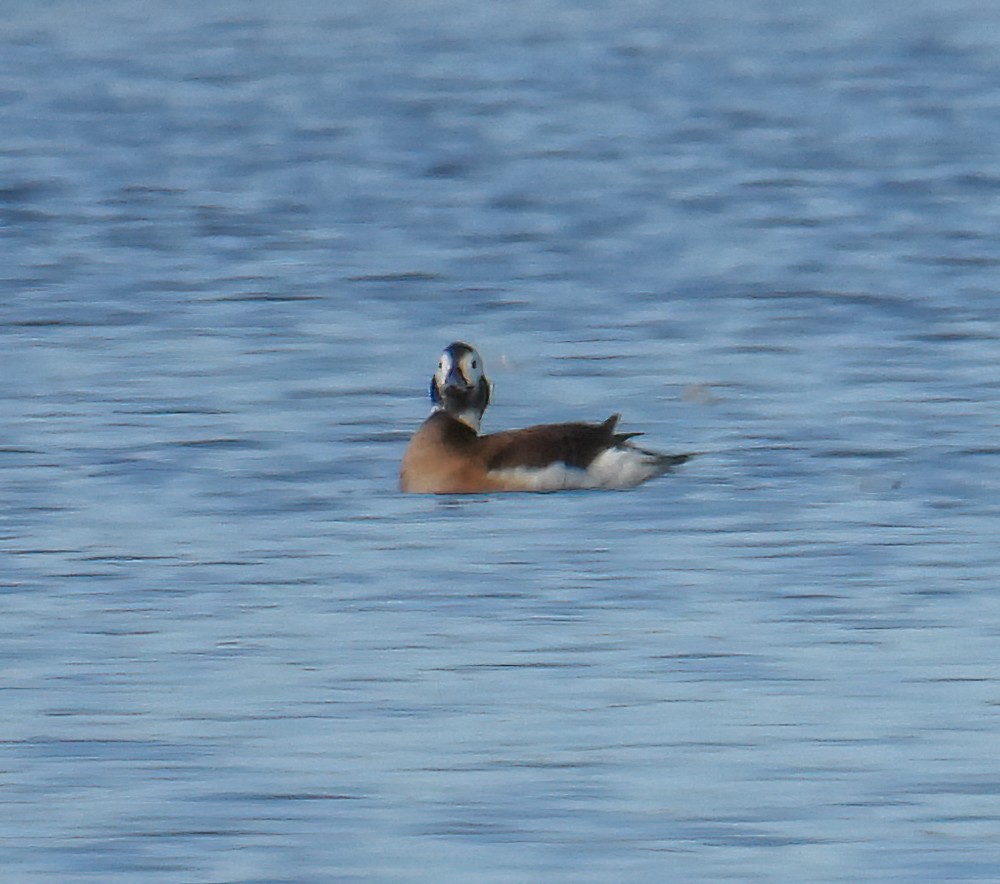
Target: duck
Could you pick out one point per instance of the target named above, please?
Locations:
(447, 454)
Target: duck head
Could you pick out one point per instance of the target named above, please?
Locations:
(459, 386)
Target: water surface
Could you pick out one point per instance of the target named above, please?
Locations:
(236, 236)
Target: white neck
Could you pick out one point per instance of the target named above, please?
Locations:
(469, 418)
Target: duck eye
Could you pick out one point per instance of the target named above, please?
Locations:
(474, 365)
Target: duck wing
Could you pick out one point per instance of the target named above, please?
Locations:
(574, 444)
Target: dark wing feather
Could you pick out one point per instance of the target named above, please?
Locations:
(574, 444)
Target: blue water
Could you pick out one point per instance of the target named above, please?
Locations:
(234, 238)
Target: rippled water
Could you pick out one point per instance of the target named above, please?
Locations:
(235, 237)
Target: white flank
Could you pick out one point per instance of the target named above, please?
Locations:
(616, 468)
(624, 467)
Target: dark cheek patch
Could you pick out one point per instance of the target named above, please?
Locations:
(484, 393)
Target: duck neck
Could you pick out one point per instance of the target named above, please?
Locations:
(470, 418)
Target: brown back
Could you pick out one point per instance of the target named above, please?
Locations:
(574, 444)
